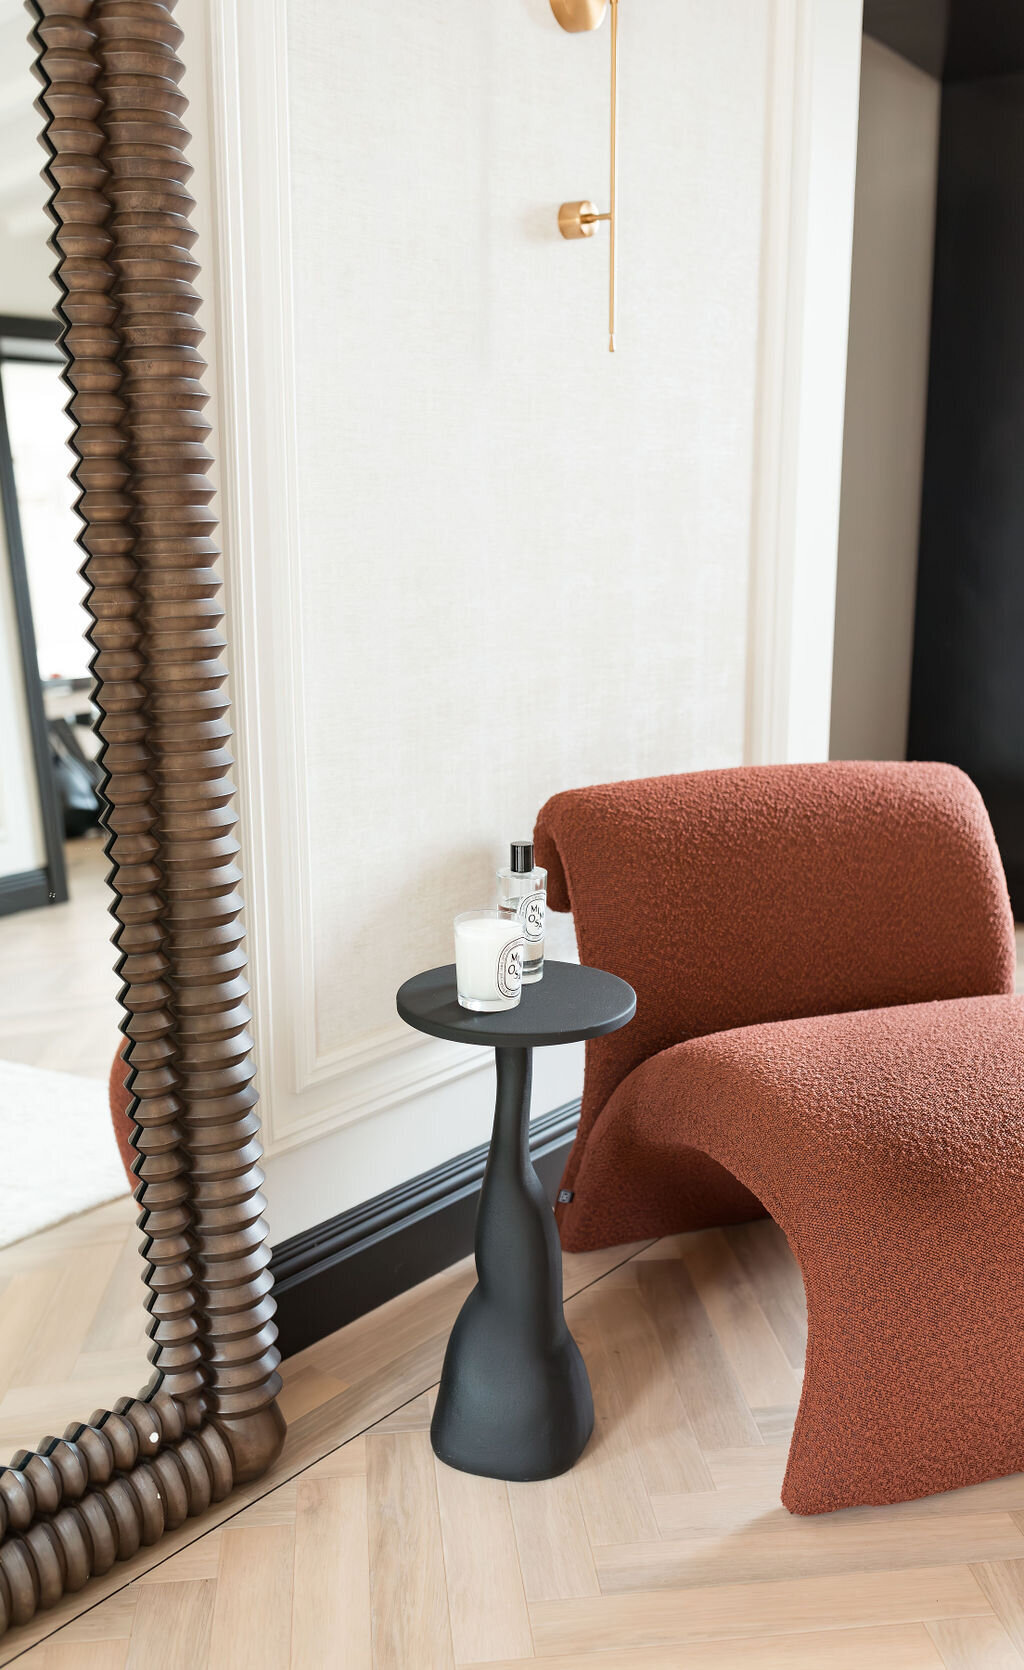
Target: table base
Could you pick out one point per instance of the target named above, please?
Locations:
(514, 1400)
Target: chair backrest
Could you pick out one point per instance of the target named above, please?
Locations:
(771, 892)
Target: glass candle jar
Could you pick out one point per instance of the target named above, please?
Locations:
(489, 948)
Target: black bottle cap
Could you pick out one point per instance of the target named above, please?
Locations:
(522, 857)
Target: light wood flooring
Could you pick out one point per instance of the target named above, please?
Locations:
(664, 1549)
(71, 1318)
(72, 1323)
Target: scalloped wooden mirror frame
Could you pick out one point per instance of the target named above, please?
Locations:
(208, 1419)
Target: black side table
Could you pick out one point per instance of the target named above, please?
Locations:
(514, 1401)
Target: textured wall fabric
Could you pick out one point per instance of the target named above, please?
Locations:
(765, 893)
(498, 521)
(812, 949)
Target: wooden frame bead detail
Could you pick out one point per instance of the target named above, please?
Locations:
(208, 1418)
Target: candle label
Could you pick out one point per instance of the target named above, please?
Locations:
(531, 914)
(509, 975)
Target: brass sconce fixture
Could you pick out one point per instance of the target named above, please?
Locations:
(580, 220)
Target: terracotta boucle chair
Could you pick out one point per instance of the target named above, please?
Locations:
(823, 958)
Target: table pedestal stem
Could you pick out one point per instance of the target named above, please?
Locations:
(514, 1400)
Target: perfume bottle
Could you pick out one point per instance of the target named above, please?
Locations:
(523, 892)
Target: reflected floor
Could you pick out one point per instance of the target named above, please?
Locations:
(71, 1296)
(72, 1324)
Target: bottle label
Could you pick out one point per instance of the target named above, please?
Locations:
(509, 973)
(531, 914)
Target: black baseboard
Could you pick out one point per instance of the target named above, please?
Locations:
(338, 1270)
(25, 891)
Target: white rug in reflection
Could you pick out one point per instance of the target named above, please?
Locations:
(58, 1156)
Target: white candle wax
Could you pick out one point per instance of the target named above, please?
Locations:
(488, 961)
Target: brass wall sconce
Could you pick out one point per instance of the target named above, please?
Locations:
(580, 220)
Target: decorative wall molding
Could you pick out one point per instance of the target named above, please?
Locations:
(330, 1274)
(249, 110)
(775, 435)
(369, 1076)
(308, 1090)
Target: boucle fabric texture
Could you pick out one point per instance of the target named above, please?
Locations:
(888, 1144)
(821, 956)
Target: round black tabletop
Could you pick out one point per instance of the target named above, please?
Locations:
(569, 1003)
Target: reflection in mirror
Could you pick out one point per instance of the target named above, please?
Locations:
(71, 1313)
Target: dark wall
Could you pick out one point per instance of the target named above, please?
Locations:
(916, 29)
(967, 693)
(955, 40)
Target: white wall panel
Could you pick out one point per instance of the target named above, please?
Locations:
(523, 561)
(472, 558)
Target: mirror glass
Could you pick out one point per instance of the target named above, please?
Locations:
(71, 1299)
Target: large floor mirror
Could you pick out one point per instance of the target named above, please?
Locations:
(147, 1363)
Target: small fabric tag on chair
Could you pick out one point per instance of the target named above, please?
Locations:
(564, 1196)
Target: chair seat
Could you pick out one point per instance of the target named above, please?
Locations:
(889, 1145)
(910, 1093)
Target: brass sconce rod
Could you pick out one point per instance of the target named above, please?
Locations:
(578, 220)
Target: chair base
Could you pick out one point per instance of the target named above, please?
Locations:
(888, 1144)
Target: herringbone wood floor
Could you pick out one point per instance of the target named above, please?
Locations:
(664, 1549)
(72, 1323)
